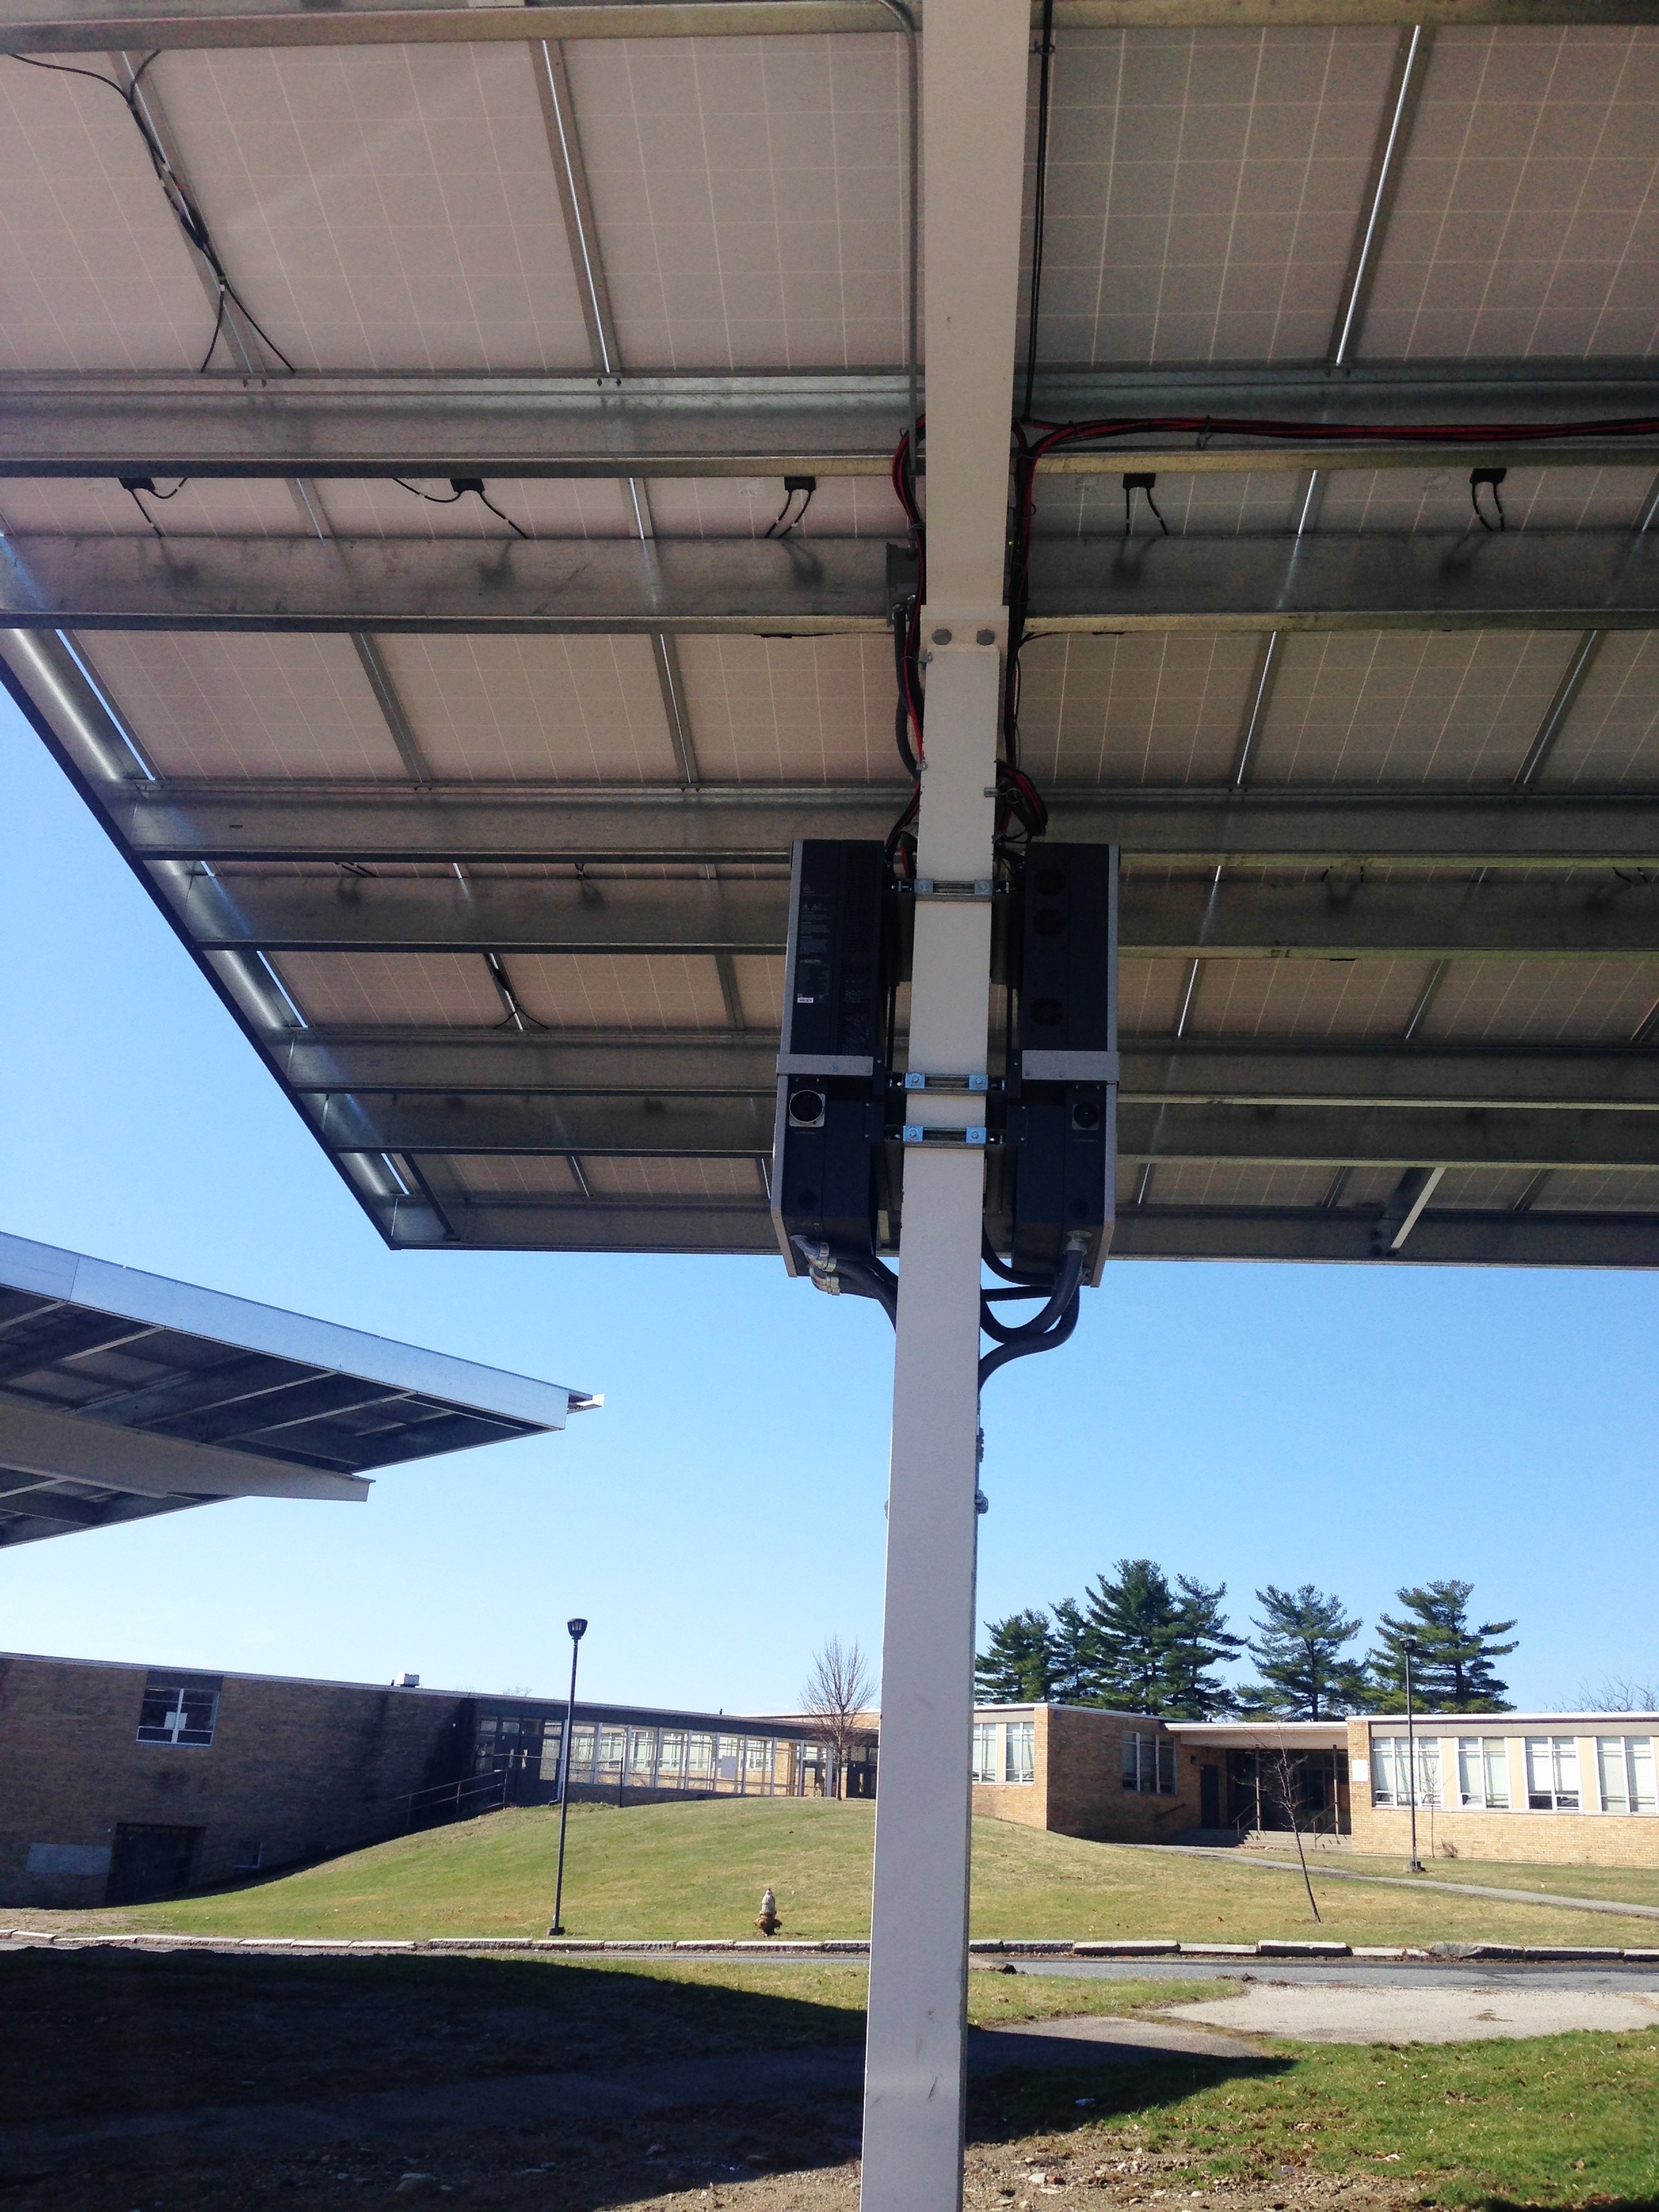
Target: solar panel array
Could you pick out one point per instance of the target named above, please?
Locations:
(476, 805)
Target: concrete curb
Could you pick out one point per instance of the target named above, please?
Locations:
(842, 1946)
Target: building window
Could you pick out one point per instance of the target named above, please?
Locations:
(700, 1759)
(1483, 1773)
(179, 1715)
(250, 1857)
(1625, 1763)
(613, 1749)
(1019, 1751)
(1552, 1774)
(985, 1752)
(581, 1753)
(641, 1757)
(1391, 1782)
(671, 1768)
(1149, 1763)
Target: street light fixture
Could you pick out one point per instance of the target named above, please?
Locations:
(1409, 1647)
(578, 1629)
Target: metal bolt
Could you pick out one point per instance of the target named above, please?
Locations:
(985, 637)
(941, 637)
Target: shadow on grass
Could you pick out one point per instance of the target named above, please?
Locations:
(116, 2031)
(1004, 2107)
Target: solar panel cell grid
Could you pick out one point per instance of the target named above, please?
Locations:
(1544, 1001)
(1552, 499)
(568, 709)
(1527, 224)
(749, 197)
(1203, 191)
(1624, 1190)
(790, 710)
(385, 207)
(1305, 999)
(1612, 735)
(1141, 709)
(94, 273)
(228, 703)
(1404, 707)
(205, 507)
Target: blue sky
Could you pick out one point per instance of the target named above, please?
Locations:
(1357, 1428)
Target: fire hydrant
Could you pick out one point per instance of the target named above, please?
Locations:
(766, 1919)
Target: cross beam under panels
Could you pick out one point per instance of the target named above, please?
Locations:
(1425, 580)
(1447, 1239)
(1191, 827)
(1534, 1239)
(627, 1065)
(77, 26)
(1615, 917)
(669, 1128)
(625, 426)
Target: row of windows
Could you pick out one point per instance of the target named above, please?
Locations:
(638, 1758)
(1624, 1773)
(1012, 1761)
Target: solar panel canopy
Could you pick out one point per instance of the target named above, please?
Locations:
(124, 1394)
(395, 410)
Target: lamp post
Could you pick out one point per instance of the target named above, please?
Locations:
(1408, 1647)
(578, 1629)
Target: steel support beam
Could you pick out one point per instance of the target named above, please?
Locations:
(76, 25)
(1391, 919)
(1369, 1136)
(1194, 826)
(627, 1066)
(58, 1446)
(1460, 1239)
(608, 1126)
(1427, 580)
(617, 424)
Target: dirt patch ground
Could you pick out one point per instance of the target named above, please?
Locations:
(1332, 2013)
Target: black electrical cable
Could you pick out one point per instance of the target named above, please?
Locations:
(458, 488)
(860, 1274)
(191, 221)
(774, 530)
(1066, 1280)
(1039, 196)
(1052, 1342)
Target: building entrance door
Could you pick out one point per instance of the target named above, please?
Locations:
(1209, 1797)
(149, 1862)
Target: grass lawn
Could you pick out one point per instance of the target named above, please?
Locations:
(698, 1870)
(1568, 2119)
(1632, 1885)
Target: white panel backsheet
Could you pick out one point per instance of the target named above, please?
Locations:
(226, 703)
(1528, 220)
(1310, 998)
(1543, 1001)
(95, 273)
(1203, 191)
(1409, 706)
(385, 207)
(1137, 709)
(574, 709)
(749, 196)
(1612, 735)
(792, 710)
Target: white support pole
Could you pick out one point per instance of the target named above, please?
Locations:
(973, 131)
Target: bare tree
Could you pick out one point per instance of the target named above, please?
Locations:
(838, 1689)
(1287, 1773)
(1618, 1693)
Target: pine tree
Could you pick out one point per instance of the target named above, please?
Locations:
(1072, 1641)
(1298, 1651)
(1452, 1669)
(1200, 1642)
(1133, 1623)
(1018, 1669)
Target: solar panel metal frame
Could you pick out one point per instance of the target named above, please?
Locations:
(655, 1137)
(124, 1394)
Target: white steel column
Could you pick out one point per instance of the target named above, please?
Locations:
(973, 131)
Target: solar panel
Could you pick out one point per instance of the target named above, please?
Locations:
(124, 1394)
(483, 838)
